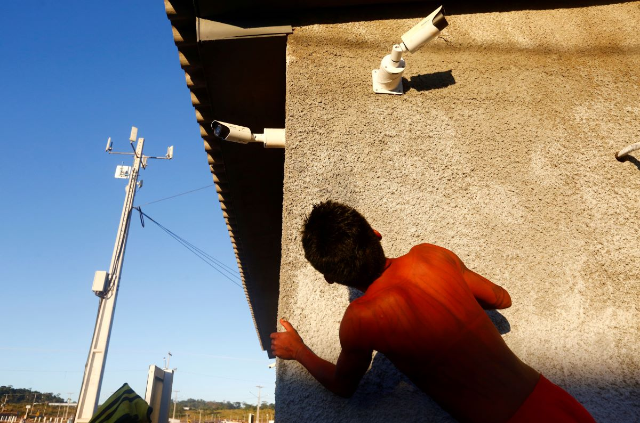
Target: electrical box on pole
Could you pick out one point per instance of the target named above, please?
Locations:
(100, 282)
(106, 283)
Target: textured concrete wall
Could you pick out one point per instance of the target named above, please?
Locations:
(502, 150)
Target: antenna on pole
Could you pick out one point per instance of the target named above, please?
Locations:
(134, 134)
(132, 139)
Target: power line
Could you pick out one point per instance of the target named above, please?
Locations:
(190, 246)
(177, 195)
(217, 377)
(64, 371)
(39, 371)
(232, 272)
(129, 351)
(214, 263)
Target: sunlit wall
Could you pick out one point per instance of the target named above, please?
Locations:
(502, 150)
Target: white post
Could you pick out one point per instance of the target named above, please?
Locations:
(175, 399)
(258, 410)
(94, 369)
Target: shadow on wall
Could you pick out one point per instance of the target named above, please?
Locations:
(354, 294)
(384, 386)
(418, 9)
(385, 393)
(630, 159)
(499, 321)
(468, 7)
(430, 81)
(387, 384)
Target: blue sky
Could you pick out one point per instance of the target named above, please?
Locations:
(71, 76)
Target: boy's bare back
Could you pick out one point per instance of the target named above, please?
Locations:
(424, 314)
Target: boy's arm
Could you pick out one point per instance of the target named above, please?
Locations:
(489, 295)
(341, 378)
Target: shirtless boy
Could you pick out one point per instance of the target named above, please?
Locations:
(424, 312)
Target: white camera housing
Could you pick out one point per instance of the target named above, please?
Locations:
(426, 30)
(388, 79)
(271, 138)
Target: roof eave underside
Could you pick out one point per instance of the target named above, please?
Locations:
(228, 86)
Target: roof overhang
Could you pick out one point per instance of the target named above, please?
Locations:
(238, 75)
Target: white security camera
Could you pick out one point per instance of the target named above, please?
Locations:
(388, 79)
(425, 31)
(272, 137)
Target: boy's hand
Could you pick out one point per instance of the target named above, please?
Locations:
(286, 345)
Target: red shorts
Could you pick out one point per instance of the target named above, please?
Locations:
(550, 403)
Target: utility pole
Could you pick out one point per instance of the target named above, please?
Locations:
(106, 285)
(33, 407)
(258, 409)
(66, 409)
(175, 400)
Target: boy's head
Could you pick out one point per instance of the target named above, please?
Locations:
(339, 243)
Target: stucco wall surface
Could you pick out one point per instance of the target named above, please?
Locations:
(502, 150)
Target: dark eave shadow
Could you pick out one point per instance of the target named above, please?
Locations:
(253, 13)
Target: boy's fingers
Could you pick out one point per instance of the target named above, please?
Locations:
(287, 325)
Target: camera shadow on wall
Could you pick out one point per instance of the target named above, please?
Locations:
(429, 81)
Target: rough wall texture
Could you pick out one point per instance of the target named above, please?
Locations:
(502, 150)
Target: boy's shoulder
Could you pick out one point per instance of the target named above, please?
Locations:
(429, 248)
(431, 251)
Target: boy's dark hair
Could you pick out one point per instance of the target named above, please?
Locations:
(339, 243)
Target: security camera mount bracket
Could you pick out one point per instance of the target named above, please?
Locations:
(379, 89)
(388, 79)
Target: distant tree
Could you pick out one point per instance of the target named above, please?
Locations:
(22, 396)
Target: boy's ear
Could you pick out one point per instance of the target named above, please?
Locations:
(378, 234)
